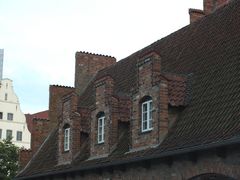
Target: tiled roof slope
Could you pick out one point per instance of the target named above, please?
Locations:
(46, 156)
(209, 49)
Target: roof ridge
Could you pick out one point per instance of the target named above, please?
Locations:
(40, 119)
(95, 54)
(56, 85)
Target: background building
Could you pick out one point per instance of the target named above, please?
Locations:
(12, 120)
(1, 62)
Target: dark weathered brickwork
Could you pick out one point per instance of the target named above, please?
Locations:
(86, 67)
(209, 6)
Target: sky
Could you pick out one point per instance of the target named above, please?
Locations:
(40, 37)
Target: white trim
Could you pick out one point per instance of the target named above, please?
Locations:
(147, 116)
(101, 124)
(66, 140)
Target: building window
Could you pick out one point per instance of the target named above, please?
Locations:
(67, 138)
(6, 96)
(0, 133)
(10, 116)
(1, 115)
(19, 135)
(147, 114)
(9, 134)
(101, 124)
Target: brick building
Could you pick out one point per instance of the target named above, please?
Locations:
(168, 111)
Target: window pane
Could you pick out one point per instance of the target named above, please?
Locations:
(147, 107)
(150, 124)
(145, 116)
(100, 138)
(144, 125)
(9, 134)
(1, 115)
(100, 122)
(19, 136)
(0, 133)
(150, 104)
(144, 107)
(150, 114)
(101, 129)
(9, 116)
(66, 139)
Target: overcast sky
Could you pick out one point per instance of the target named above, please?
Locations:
(40, 37)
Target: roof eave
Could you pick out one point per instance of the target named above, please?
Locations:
(229, 142)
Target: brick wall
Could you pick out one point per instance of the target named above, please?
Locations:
(40, 130)
(86, 67)
(195, 14)
(181, 167)
(24, 156)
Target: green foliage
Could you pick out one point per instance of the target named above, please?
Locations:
(8, 159)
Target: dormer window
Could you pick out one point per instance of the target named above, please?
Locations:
(66, 138)
(147, 114)
(101, 124)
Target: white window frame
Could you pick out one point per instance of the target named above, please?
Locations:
(101, 124)
(149, 118)
(66, 142)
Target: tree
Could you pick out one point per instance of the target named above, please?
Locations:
(8, 159)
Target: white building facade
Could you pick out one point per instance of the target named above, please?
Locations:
(12, 120)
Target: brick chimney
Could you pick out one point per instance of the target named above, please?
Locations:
(40, 131)
(86, 67)
(55, 98)
(209, 6)
(195, 14)
(24, 157)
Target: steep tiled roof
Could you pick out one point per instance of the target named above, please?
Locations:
(47, 152)
(209, 50)
(177, 89)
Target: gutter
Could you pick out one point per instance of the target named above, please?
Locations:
(232, 141)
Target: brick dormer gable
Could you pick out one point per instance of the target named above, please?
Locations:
(110, 106)
(69, 123)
